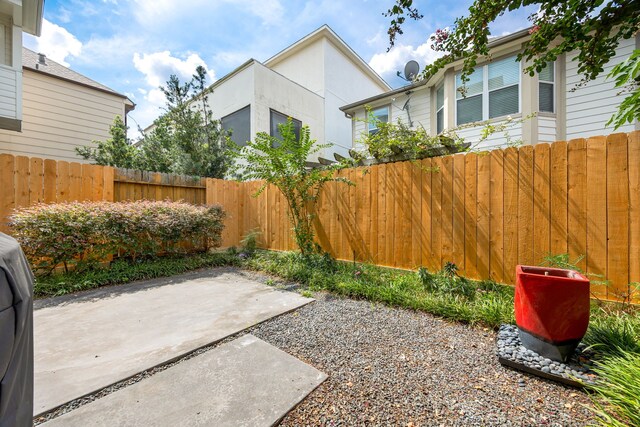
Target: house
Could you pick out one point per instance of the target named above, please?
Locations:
(16, 16)
(546, 107)
(307, 81)
(62, 110)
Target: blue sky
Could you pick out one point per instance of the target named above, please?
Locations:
(133, 46)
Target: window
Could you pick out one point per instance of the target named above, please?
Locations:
(504, 91)
(547, 88)
(492, 91)
(278, 119)
(378, 115)
(239, 123)
(440, 109)
(469, 108)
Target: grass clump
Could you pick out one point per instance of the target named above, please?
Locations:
(616, 398)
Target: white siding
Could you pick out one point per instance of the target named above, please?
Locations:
(546, 129)
(419, 108)
(59, 116)
(496, 140)
(264, 89)
(590, 107)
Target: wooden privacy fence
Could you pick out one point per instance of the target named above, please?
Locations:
(486, 212)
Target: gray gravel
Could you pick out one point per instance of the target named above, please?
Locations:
(397, 367)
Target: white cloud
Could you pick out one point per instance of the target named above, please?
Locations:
(388, 63)
(55, 42)
(158, 66)
(270, 11)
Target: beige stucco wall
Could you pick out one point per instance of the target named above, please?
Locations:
(305, 67)
(58, 116)
(265, 89)
(273, 91)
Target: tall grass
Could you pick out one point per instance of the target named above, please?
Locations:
(616, 399)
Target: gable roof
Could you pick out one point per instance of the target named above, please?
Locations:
(327, 32)
(31, 61)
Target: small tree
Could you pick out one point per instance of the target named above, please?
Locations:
(186, 139)
(115, 151)
(282, 162)
(592, 28)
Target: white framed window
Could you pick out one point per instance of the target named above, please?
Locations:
(469, 104)
(380, 114)
(493, 90)
(546, 88)
(440, 109)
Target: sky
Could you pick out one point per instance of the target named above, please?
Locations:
(133, 46)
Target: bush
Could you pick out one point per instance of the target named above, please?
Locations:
(83, 233)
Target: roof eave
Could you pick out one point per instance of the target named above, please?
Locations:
(32, 14)
(499, 41)
(331, 35)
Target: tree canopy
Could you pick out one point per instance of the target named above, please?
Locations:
(592, 28)
(184, 140)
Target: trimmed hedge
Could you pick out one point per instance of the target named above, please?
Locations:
(83, 233)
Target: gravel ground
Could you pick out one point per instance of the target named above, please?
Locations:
(393, 367)
(397, 367)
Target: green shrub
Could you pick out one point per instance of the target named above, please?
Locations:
(82, 233)
(250, 242)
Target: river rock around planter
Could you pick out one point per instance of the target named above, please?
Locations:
(510, 351)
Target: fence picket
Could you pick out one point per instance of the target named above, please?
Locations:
(485, 212)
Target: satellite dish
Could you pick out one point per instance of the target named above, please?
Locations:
(411, 70)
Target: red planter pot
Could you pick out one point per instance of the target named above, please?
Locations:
(552, 310)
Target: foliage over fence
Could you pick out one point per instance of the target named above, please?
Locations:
(85, 233)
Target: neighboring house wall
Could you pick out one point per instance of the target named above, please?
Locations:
(10, 73)
(419, 107)
(588, 108)
(273, 91)
(324, 64)
(59, 116)
(344, 83)
(305, 67)
(578, 112)
(264, 90)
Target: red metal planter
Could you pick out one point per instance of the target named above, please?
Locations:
(552, 310)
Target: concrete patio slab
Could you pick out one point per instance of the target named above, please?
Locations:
(245, 382)
(88, 342)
